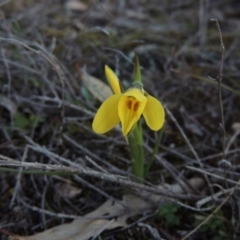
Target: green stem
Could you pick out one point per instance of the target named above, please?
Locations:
(136, 151)
(150, 162)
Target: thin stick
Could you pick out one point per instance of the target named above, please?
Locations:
(202, 22)
(43, 211)
(8, 72)
(19, 177)
(219, 78)
(50, 60)
(189, 145)
(211, 174)
(209, 217)
(75, 168)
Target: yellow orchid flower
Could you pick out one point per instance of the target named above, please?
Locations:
(127, 108)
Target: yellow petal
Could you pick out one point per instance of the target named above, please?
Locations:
(135, 92)
(112, 80)
(154, 113)
(130, 109)
(107, 117)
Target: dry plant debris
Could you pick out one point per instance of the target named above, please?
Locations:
(54, 168)
(108, 216)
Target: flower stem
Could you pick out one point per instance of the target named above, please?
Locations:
(136, 151)
(150, 162)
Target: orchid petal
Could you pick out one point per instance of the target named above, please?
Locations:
(107, 117)
(130, 109)
(154, 113)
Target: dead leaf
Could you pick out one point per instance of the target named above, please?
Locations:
(236, 127)
(100, 90)
(83, 228)
(92, 224)
(67, 190)
(8, 104)
(75, 5)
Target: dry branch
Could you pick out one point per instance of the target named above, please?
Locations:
(6, 161)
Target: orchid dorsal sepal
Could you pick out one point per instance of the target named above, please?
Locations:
(113, 80)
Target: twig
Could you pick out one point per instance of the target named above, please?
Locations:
(19, 176)
(49, 60)
(36, 209)
(92, 155)
(210, 216)
(95, 164)
(189, 145)
(232, 139)
(97, 189)
(6, 161)
(206, 200)
(43, 203)
(152, 230)
(219, 78)
(8, 73)
(202, 21)
(211, 174)
(173, 172)
(120, 53)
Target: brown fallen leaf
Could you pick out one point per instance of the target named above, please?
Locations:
(66, 190)
(75, 5)
(236, 127)
(8, 104)
(92, 225)
(100, 90)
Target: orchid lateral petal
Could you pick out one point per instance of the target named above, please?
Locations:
(154, 113)
(113, 80)
(107, 117)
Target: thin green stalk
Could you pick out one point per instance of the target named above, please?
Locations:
(136, 151)
(155, 149)
(140, 154)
